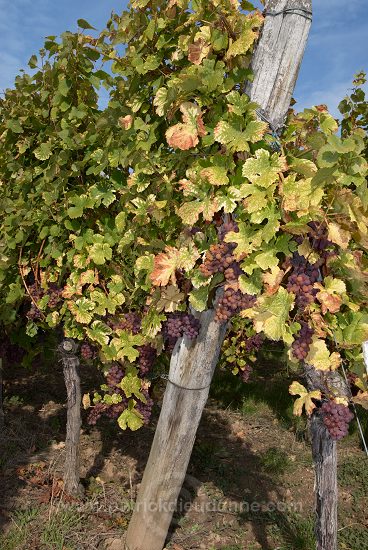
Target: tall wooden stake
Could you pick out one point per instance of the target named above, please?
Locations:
(192, 365)
(68, 350)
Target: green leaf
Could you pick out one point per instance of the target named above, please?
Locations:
(198, 298)
(83, 24)
(100, 252)
(14, 126)
(43, 152)
(131, 385)
(236, 139)
(263, 168)
(130, 418)
(15, 293)
(99, 332)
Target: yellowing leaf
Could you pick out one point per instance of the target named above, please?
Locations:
(198, 51)
(216, 175)
(272, 314)
(300, 195)
(338, 235)
(166, 263)
(305, 399)
(330, 294)
(320, 357)
(263, 169)
(170, 299)
(130, 418)
(247, 37)
(272, 279)
(126, 122)
(361, 399)
(238, 140)
(86, 401)
(182, 136)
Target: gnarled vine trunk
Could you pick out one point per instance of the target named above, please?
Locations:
(282, 43)
(68, 352)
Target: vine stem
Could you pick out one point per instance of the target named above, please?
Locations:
(25, 284)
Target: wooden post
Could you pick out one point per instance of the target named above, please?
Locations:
(278, 55)
(191, 370)
(324, 452)
(68, 349)
(193, 364)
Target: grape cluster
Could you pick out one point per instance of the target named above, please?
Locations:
(36, 292)
(226, 228)
(96, 412)
(231, 303)
(55, 295)
(300, 346)
(131, 322)
(113, 377)
(178, 325)
(34, 313)
(253, 343)
(318, 238)
(245, 372)
(218, 259)
(87, 351)
(301, 281)
(336, 418)
(147, 356)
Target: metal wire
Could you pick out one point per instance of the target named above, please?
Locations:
(307, 14)
(355, 411)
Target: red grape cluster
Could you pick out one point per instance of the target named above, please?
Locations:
(131, 322)
(87, 351)
(55, 296)
(318, 237)
(245, 372)
(300, 346)
(113, 377)
(178, 325)
(336, 418)
(231, 303)
(147, 356)
(301, 281)
(254, 342)
(218, 259)
(96, 412)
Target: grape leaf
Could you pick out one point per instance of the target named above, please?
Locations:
(305, 399)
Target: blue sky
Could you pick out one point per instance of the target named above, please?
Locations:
(337, 47)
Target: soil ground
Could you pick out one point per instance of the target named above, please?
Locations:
(249, 484)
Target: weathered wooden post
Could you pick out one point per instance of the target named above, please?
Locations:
(279, 50)
(68, 350)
